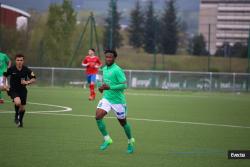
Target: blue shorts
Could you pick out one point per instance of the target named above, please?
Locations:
(91, 78)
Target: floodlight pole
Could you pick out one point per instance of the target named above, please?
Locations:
(96, 36)
(93, 31)
(209, 55)
(79, 43)
(154, 63)
(155, 49)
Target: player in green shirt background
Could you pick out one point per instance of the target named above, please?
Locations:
(4, 64)
(114, 83)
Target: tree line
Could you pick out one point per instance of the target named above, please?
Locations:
(149, 31)
(51, 38)
(165, 33)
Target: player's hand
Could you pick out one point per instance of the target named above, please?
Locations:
(100, 89)
(103, 87)
(85, 65)
(23, 82)
(92, 65)
(96, 66)
(106, 87)
(5, 88)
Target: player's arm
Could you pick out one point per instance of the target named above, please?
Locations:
(122, 81)
(85, 63)
(32, 78)
(113, 87)
(9, 64)
(31, 81)
(98, 63)
(119, 86)
(5, 84)
(8, 61)
(4, 87)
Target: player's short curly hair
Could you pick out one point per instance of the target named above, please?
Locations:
(110, 51)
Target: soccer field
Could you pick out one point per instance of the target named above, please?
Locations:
(174, 129)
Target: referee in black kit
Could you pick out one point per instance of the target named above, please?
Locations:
(20, 77)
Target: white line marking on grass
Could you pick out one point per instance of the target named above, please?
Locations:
(64, 108)
(67, 109)
(155, 120)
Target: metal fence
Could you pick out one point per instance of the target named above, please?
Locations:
(171, 80)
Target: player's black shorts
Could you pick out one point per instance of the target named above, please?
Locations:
(22, 94)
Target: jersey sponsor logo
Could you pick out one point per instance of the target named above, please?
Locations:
(120, 113)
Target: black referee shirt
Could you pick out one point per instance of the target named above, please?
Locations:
(16, 76)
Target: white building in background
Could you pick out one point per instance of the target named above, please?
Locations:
(225, 20)
(21, 23)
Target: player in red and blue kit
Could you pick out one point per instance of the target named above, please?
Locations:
(92, 64)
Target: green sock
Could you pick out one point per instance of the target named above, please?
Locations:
(102, 127)
(127, 130)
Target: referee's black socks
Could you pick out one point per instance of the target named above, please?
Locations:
(21, 114)
(16, 113)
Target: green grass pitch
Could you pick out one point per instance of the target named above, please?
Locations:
(174, 129)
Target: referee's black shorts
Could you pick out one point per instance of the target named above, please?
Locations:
(22, 94)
